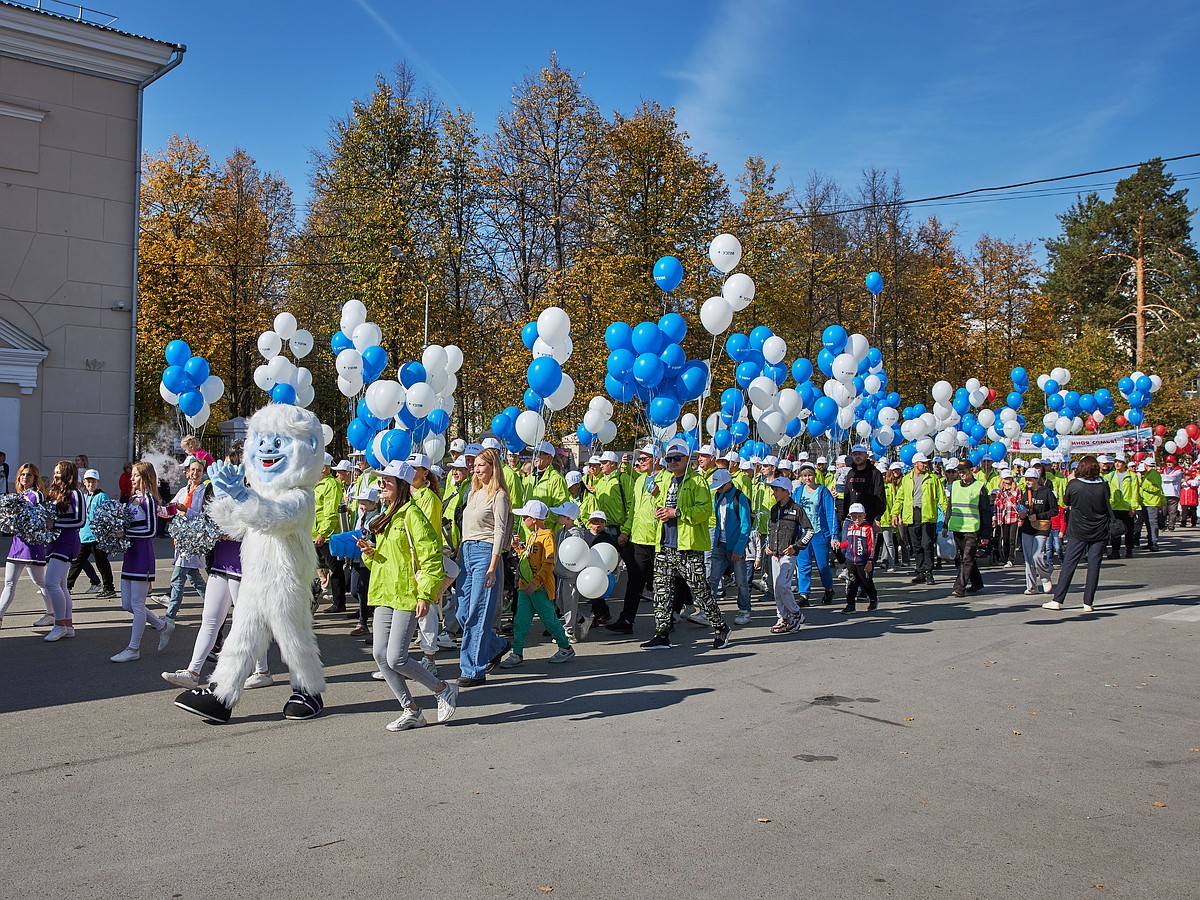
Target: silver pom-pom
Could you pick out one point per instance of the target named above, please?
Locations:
(35, 524)
(109, 520)
(11, 507)
(194, 536)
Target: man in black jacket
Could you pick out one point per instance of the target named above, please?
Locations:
(864, 485)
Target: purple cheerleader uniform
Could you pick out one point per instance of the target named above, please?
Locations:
(138, 564)
(227, 559)
(21, 552)
(66, 546)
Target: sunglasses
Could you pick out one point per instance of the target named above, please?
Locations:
(675, 457)
(642, 459)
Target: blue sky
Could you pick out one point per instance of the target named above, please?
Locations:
(951, 96)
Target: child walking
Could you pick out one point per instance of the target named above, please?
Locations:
(29, 557)
(535, 588)
(567, 596)
(858, 544)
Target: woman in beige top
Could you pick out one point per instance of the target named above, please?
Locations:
(486, 530)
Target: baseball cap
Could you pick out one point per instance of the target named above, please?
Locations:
(720, 478)
(806, 465)
(419, 461)
(367, 491)
(803, 455)
(1151, 463)
(841, 460)
(707, 450)
(857, 508)
(535, 508)
(733, 457)
(458, 445)
(597, 514)
(492, 444)
(569, 509)
(746, 464)
(771, 461)
(473, 450)
(460, 462)
(328, 459)
(594, 460)
(896, 465)
(785, 463)
(1031, 472)
(608, 456)
(400, 470)
(344, 465)
(677, 446)
(574, 477)
(545, 447)
(951, 463)
(823, 459)
(920, 457)
(359, 454)
(782, 483)
(859, 448)
(648, 450)
(1104, 458)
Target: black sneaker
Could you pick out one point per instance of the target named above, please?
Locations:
(847, 610)
(828, 598)
(106, 594)
(929, 579)
(464, 681)
(203, 703)
(658, 642)
(803, 602)
(917, 579)
(721, 639)
(302, 705)
(620, 627)
(873, 605)
(494, 662)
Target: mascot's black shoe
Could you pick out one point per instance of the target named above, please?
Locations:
(203, 703)
(303, 706)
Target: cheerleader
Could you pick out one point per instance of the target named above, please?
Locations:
(23, 556)
(137, 570)
(67, 498)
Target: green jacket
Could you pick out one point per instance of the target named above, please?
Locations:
(891, 509)
(328, 496)
(550, 488)
(1151, 489)
(515, 482)
(643, 525)
(407, 563)
(762, 501)
(933, 496)
(452, 500)
(431, 505)
(695, 504)
(1123, 491)
(614, 496)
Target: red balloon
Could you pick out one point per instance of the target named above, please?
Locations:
(1193, 431)
(1090, 424)
(1121, 421)
(1160, 430)
(1139, 456)
(991, 395)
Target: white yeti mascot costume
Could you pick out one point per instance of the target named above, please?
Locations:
(267, 504)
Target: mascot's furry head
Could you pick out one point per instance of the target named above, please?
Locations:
(284, 448)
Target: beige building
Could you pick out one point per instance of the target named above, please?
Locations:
(70, 144)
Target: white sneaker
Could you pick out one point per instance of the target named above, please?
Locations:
(585, 625)
(183, 678)
(429, 666)
(126, 655)
(58, 632)
(564, 654)
(1047, 586)
(164, 634)
(512, 661)
(1009, 564)
(1087, 608)
(378, 676)
(45, 620)
(1052, 604)
(742, 618)
(258, 680)
(446, 642)
(697, 617)
(410, 718)
(447, 701)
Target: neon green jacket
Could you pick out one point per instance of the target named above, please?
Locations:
(550, 487)
(695, 504)
(1151, 489)
(451, 502)
(328, 496)
(762, 501)
(1123, 491)
(407, 563)
(643, 525)
(933, 497)
(431, 505)
(614, 496)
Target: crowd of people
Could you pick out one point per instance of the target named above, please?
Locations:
(460, 555)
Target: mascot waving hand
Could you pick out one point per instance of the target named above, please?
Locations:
(267, 504)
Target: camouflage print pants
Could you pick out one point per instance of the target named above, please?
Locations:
(688, 565)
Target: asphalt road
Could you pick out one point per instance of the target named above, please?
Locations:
(939, 748)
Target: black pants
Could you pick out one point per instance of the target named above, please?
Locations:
(80, 564)
(360, 584)
(1125, 517)
(920, 539)
(860, 579)
(640, 565)
(1077, 550)
(968, 571)
(337, 575)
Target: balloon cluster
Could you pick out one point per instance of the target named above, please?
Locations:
(187, 383)
(716, 313)
(953, 422)
(597, 423)
(1187, 439)
(549, 387)
(359, 358)
(854, 395)
(278, 376)
(761, 372)
(594, 566)
(1138, 390)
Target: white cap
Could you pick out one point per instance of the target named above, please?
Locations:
(857, 508)
(707, 450)
(1104, 458)
(1151, 462)
(328, 459)
(401, 470)
(920, 457)
(91, 473)
(473, 450)
(458, 445)
(732, 458)
(896, 465)
(807, 464)
(574, 477)
(649, 450)
(594, 460)
(1120, 455)
(822, 459)
(344, 465)
(460, 462)
(437, 470)
(597, 514)
(784, 483)
(951, 463)
(677, 446)
(608, 456)
(361, 454)
(545, 447)
(1141, 467)
(803, 455)
(492, 444)
(746, 465)
(569, 509)
(720, 478)
(419, 461)
(367, 491)
(785, 463)
(535, 508)
(841, 460)
(1032, 472)
(771, 461)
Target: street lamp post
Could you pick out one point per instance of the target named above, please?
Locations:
(399, 254)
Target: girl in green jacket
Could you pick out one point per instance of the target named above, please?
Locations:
(404, 555)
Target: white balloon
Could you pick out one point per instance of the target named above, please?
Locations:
(716, 315)
(368, 334)
(978, 397)
(1012, 429)
(713, 424)
(772, 426)
(593, 420)
(354, 313)
(350, 386)
(885, 435)
(604, 556)
(451, 386)
(863, 429)
(305, 395)
(553, 326)
(872, 384)
(762, 391)
(531, 427)
(603, 404)
(303, 377)
(563, 394)
(263, 379)
(285, 325)
(789, 402)
(1061, 375)
(421, 400)
(454, 358)
(349, 364)
(384, 399)
(1041, 381)
(541, 348)
(563, 351)
(1064, 444)
(986, 417)
(608, 432)
(942, 391)
(377, 445)
(738, 290)
(199, 418)
(212, 389)
(774, 349)
(688, 421)
(1155, 383)
(725, 252)
(326, 433)
(845, 417)
(280, 369)
(845, 367)
(973, 384)
(857, 346)
(437, 380)
(269, 344)
(888, 417)
(1170, 446)
(592, 582)
(301, 343)
(435, 447)
(1008, 414)
(574, 554)
(925, 445)
(171, 397)
(662, 434)
(434, 358)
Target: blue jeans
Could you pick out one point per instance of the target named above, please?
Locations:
(818, 550)
(477, 610)
(719, 564)
(1054, 545)
(178, 576)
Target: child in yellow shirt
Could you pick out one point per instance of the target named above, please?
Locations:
(535, 587)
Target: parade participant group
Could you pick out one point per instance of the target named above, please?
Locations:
(458, 556)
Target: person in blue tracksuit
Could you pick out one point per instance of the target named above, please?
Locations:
(819, 505)
(733, 518)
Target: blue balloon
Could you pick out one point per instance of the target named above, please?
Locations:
(420, 430)
(732, 401)
(674, 327)
(648, 370)
(1072, 399)
(283, 394)
(176, 381)
(502, 426)
(919, 410)
(760, 336)
(874, 357)
(197, 371)
(825, 362)
(1014, 399)
(663, 411)
(745, 373)
(997, 451)
(374, 361)
(407, 418)
(777, 372)
(673, 358)
(396, 445)
(893, 400)
(372, 460)
(439, 421)
(622, 393)
(1125, 385)
(834, 339)
(340, 342)
(692, 380)
(816, 427)
(515, 445)
(802, 370)
(976, 456)
(1087, 403)
(794, 427)
(585, 436)
(961, 405)
(647, 338)
(1135, 417)
(512, 412)
(412, 373)
(907, 452)
(1051, 441)
(740, 431)
(177, 354)
(825, 409)
(874, 282)
(1037, 440)
(1020, 376)
(1050, 386)
(736, 346)
(668, 272)
(533, 400)
(529, 334)
(1103, 395)
(192, 401)
(1055, 402)
(362, 411)
(722, 440)
(619, 336)
(544, 375)
(1143, 384)
(620, 365)
(359, 434)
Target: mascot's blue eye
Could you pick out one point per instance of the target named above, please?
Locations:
(277, 443)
